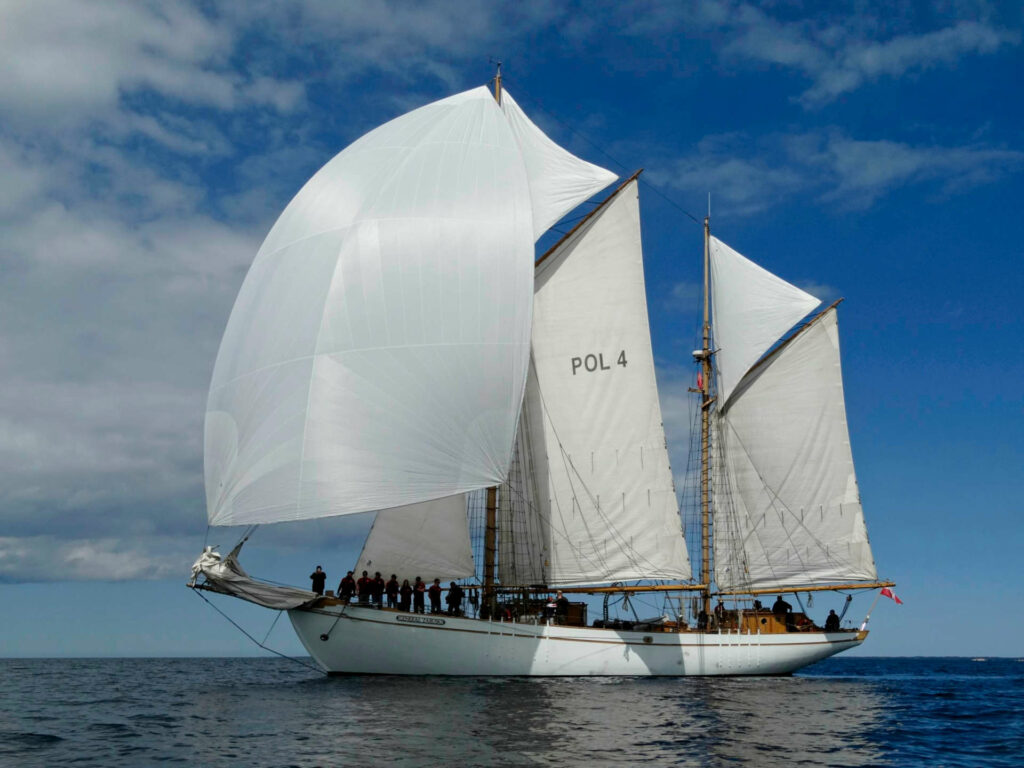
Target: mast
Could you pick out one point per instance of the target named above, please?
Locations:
(705, 429)
(491, 520)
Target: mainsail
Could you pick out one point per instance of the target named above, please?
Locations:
(591, 420)
(377, 352)
(787, 511)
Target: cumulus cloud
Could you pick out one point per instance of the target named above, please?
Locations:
(77, 61)
(839, 48)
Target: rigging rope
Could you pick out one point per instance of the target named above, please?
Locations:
(257, 642)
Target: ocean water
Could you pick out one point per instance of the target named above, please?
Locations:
(273, 712)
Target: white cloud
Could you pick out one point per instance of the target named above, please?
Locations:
(839, 48)
(746, 175)
(47, 558)
(855, 62)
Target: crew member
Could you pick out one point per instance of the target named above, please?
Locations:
(832, 622)
(365, 588)
(454, 599)
(406, 596)
(419, 589)
(391, 590)
(378, 590)
(347, 587)
(561, 608)
(434, 593)
(319, 580)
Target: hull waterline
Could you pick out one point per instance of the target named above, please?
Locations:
(360, 640)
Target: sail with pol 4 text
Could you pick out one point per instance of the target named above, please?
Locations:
(397, 348)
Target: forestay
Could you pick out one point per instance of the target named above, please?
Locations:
(377, 352)
(787, 511)
(752, 309)
(591, 414)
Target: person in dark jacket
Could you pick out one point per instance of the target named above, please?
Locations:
(454, 599)
(406, 596)
(347, 587)
(391, 590)
(434, 593)
(780, 607)
(319, 580)
(784, 612)
(561, 608)
(364, 588)
(419, 589)
(832, 622)
(378, 589)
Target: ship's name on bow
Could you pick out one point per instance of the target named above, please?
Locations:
(420, 620)
(595, 361)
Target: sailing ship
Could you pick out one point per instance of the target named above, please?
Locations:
(397, 347)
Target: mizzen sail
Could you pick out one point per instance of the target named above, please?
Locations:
(787, 511)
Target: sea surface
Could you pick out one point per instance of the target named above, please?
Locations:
(273, 712)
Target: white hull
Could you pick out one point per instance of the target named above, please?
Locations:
(370, 641)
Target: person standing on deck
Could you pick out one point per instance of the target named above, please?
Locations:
(454, 599)
(406, 593)
(391, 590)
(319, 580)
(347, 587)
(364, 587)
(561, 608)
(378, 589)
(435, 596)
(419, 589)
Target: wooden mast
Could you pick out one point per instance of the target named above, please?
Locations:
(705, 428)
(491, 521)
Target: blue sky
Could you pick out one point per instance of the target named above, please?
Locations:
(872, 151)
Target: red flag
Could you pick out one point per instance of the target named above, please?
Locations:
(891, 595)
(700, 381)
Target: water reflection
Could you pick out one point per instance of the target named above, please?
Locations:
(690, 722)
(267, 713)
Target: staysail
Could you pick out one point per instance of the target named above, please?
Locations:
(429, 540)
(752, 309)
(377, 352)
(787, 511)
(591, 418)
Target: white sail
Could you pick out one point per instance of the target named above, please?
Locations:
(429, 540)
(787, 509)
(522, 530)
(596, 438)
(559, 181)
(378, 349)
(752, 309)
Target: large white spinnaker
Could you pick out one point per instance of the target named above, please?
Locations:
(378, 349)
(787, 511)
(596, 441)
(752, 310)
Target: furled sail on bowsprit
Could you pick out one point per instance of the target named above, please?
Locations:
(591, 418)
(378, 349)
(787, 511)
